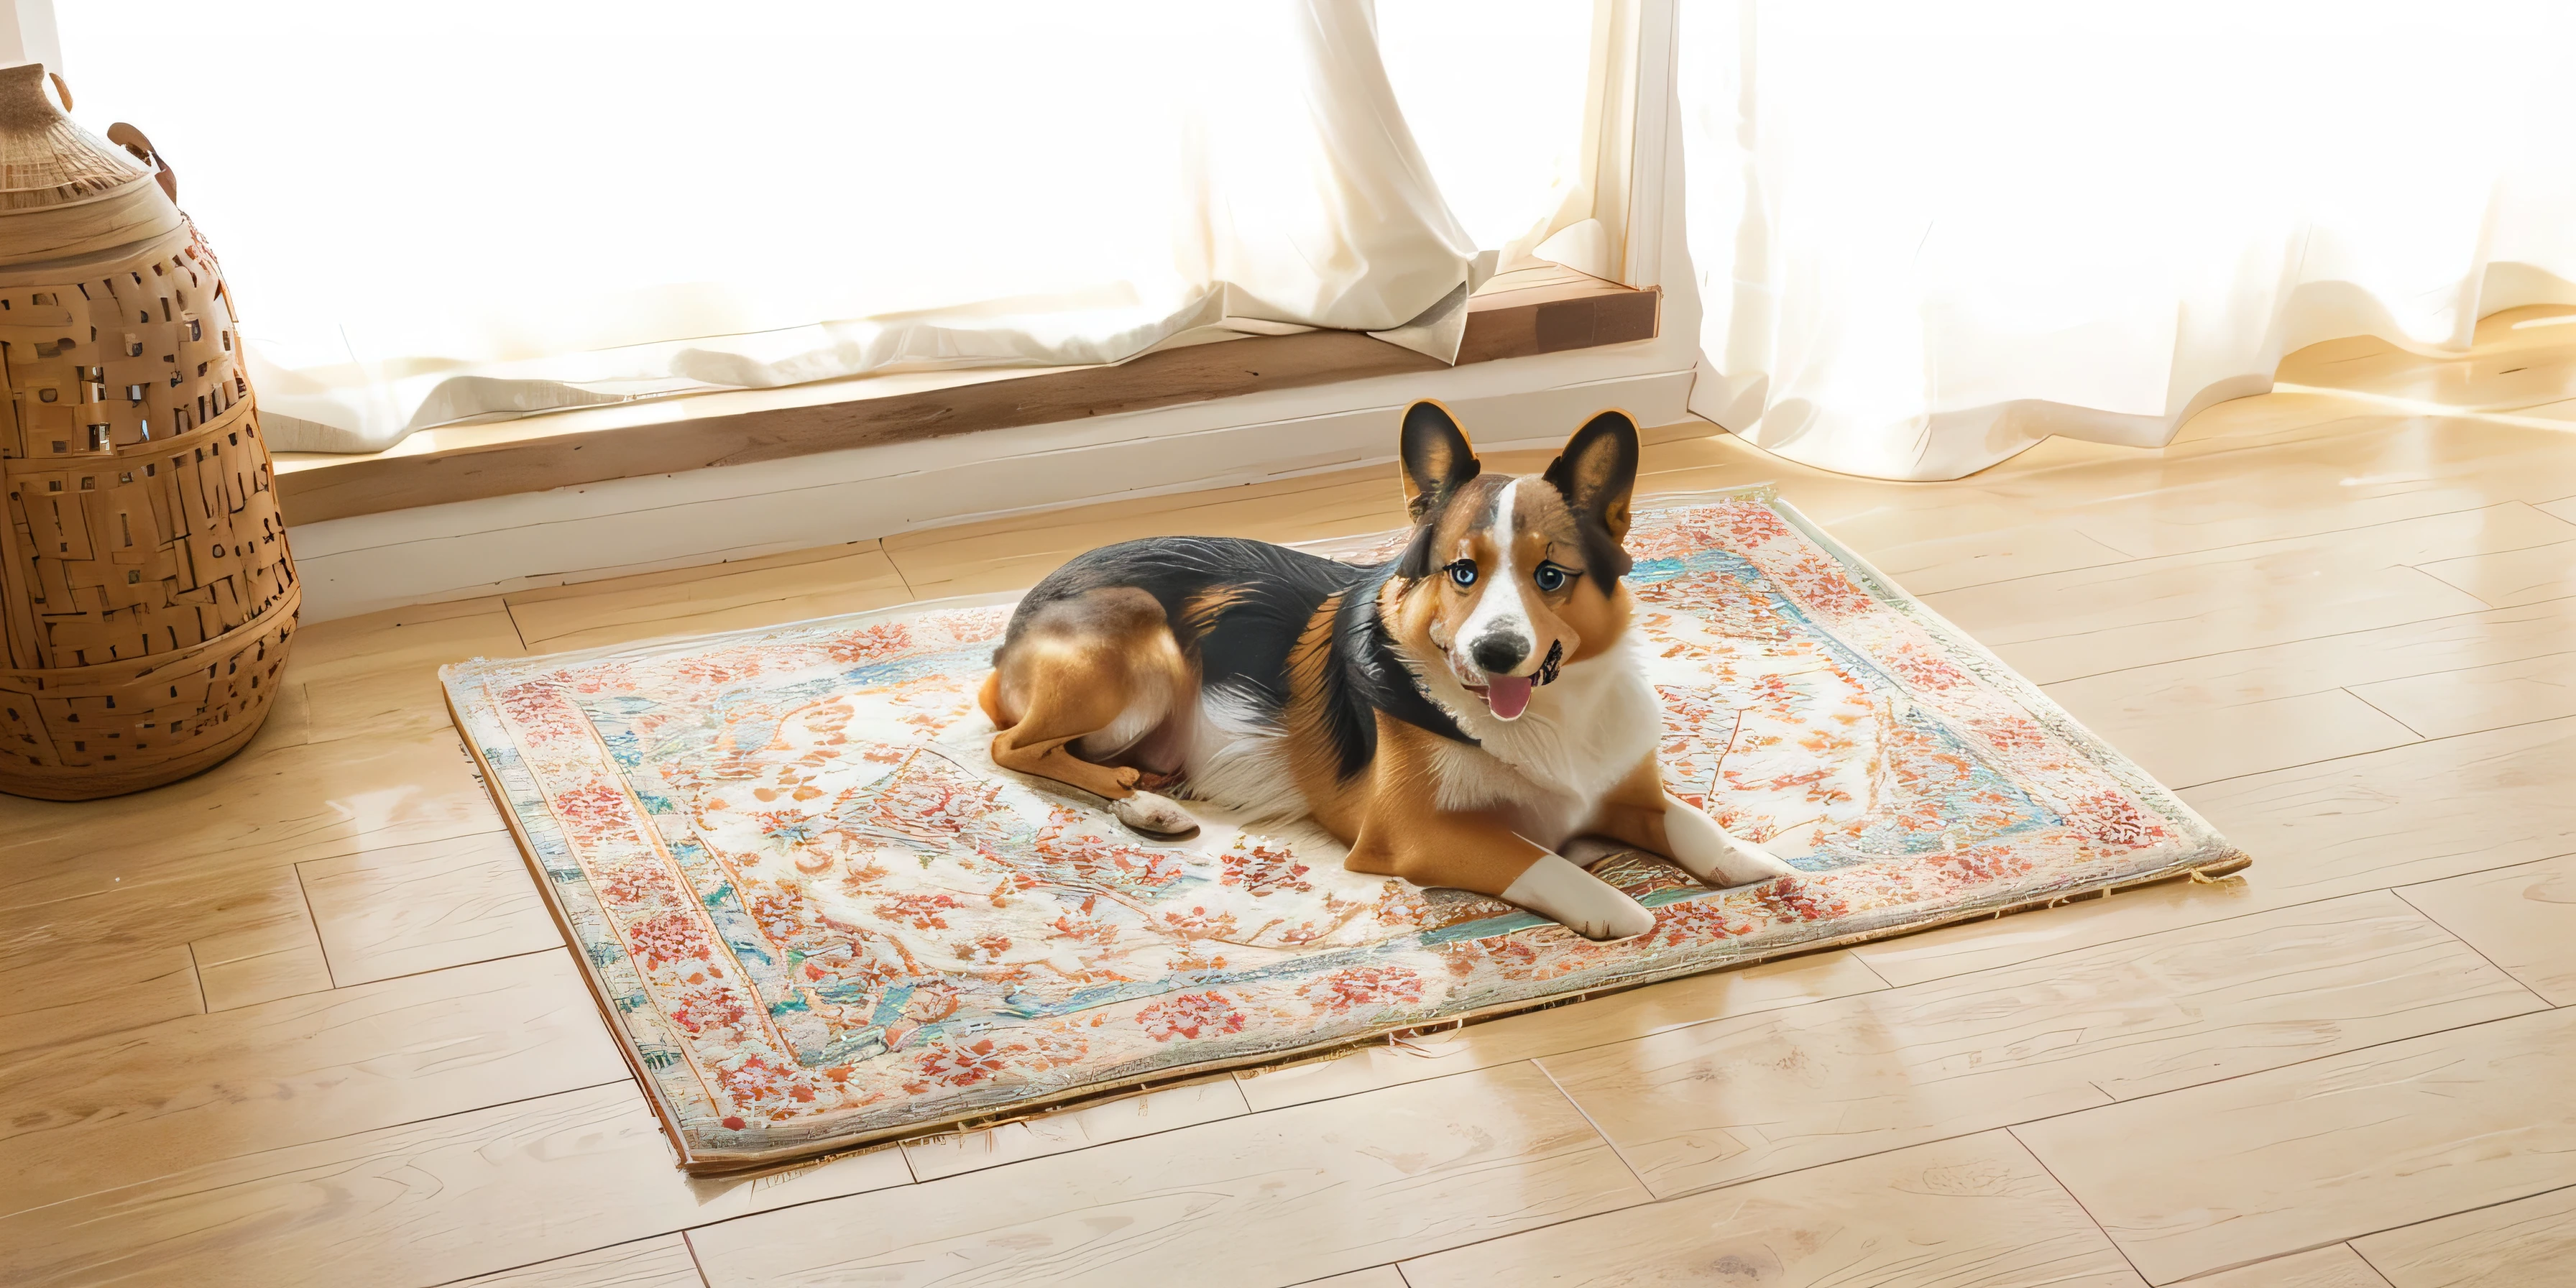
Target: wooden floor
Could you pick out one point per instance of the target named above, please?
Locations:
(302, 1020)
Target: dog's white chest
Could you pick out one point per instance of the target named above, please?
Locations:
(1550, 769)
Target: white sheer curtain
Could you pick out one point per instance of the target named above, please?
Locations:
(1496, 93)
(433, 212)
(1929, 236)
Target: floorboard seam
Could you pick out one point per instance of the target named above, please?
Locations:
(2078, 1200)
(1586, 1115)
(695, 1261)
(199, 974)
(2419, 734)
(329, 971)
(479, 961)
(581, 1252)
(2463, 940)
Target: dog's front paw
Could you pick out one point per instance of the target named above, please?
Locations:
(1578, 900)
(1747, 863)
(1713, 857)
(1155, 816)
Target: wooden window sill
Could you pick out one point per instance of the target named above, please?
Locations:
(1519, 314)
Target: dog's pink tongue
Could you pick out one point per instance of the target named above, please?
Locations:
(1508, 695)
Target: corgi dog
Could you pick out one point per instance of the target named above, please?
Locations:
(1466, 715)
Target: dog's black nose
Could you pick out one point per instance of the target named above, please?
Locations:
(1498, 654)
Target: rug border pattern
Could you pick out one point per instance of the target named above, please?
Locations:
(2213, 859)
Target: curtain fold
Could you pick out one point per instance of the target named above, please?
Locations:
(435, 213)
(1927, 238)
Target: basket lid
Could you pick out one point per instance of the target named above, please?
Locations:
(46, 159)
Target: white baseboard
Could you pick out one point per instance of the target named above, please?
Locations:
(373, 562)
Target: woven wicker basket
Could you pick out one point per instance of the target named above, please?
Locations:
(145, 590)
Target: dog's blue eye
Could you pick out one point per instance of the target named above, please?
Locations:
(1551, 578)
(1463, 572)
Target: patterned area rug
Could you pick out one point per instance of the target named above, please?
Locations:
(818, 915)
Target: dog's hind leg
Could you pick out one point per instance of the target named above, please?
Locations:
(1101, 664)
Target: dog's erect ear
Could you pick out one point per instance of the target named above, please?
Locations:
(1598, 469)
(1437, 457)
(1595, 473)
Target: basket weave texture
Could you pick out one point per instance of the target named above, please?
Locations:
(146, 593)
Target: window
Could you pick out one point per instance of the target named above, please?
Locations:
(561, 206)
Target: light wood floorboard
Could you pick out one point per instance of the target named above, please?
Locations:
(2333, 1266)
(303, 1020)
(2096, 620)
(263, 977)
(2221, 1175)
(1599, 1022)
(659, 1262)
(2523, 918)
(1269, 1198)
(2527, 1243)
(1737, 1099)
(115, 1110)
(1373, 1277)
(56, 1006)
(423, 1203)
(412, 908)
(2248, 711)
(1162, 1110)
(696, 601)
(1978, 1210)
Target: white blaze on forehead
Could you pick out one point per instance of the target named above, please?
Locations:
(1499, 610)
